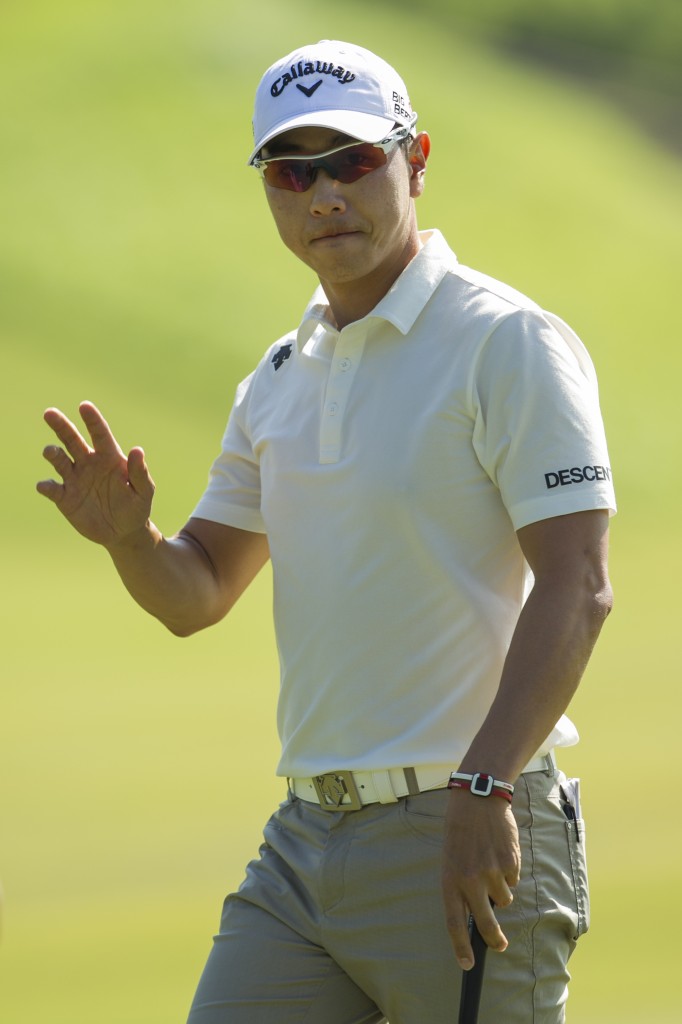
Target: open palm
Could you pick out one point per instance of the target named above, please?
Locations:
(105, 495)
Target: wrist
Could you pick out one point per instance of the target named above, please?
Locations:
(140, 538)
(481, 784)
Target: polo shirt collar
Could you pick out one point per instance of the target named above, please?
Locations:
(406, 298)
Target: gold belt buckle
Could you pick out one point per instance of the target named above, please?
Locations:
(331, 789)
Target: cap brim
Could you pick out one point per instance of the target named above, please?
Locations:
(365, 127)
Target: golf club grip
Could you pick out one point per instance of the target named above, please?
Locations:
(472, 981)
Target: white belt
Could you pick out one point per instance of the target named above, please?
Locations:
(348, 791)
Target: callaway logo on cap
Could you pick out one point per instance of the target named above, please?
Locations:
(330, 85)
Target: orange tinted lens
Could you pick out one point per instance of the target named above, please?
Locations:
(292, 175)
(352, 163)
(346, 166)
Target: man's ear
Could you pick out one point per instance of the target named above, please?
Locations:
(419, 154)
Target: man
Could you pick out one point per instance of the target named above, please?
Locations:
(424, 462)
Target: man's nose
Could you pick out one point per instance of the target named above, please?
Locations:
(326, 194)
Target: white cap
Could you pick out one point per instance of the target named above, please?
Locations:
(330, 85)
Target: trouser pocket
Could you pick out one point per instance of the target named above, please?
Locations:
(575, 834)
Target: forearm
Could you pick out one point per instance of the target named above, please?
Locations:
(552, 642)
(171, 578)
(551, 646)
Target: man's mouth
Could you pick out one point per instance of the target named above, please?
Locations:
(335, 233)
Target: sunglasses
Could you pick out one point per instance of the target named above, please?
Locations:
(347, 163)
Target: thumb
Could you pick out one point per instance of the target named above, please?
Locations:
(138, 475)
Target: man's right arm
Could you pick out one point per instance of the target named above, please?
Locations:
(191, 580)
(188, 581)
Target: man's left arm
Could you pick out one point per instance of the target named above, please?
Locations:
(551, 646)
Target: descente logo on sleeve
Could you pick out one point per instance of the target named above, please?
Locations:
(304, 68)
(576, 475)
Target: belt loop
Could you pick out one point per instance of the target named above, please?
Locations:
(411, 781)
(550, 763)
(384, 787)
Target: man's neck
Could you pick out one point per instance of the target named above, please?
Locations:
(351, 301)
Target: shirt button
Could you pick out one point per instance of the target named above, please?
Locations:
(345, 364)
(333, 408)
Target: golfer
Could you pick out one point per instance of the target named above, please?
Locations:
(423, 461)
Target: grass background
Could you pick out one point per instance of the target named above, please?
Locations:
(138, 268)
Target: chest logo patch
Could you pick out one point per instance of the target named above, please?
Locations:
(282, 353)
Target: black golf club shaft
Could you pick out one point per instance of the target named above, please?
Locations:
(472, 981)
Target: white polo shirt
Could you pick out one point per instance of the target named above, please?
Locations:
(390, 465)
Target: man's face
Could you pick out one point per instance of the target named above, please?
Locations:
(347, 233)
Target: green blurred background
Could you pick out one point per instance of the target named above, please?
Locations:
(139, 269)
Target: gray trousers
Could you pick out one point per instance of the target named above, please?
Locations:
(340, 920)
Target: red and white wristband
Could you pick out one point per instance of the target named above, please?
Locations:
(481, 784)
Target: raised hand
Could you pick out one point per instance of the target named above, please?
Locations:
(105, 495)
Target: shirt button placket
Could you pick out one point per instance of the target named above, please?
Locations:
(336, 399)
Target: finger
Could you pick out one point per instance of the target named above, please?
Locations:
(58, 458)
(100, 432)
(138, 474)
(475, 900)
(51, 489)
(489, 926)
(501, 894)
(458, 927)
(67, 433)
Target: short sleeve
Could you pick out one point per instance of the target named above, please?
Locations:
(539, 433)
(233, 494)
